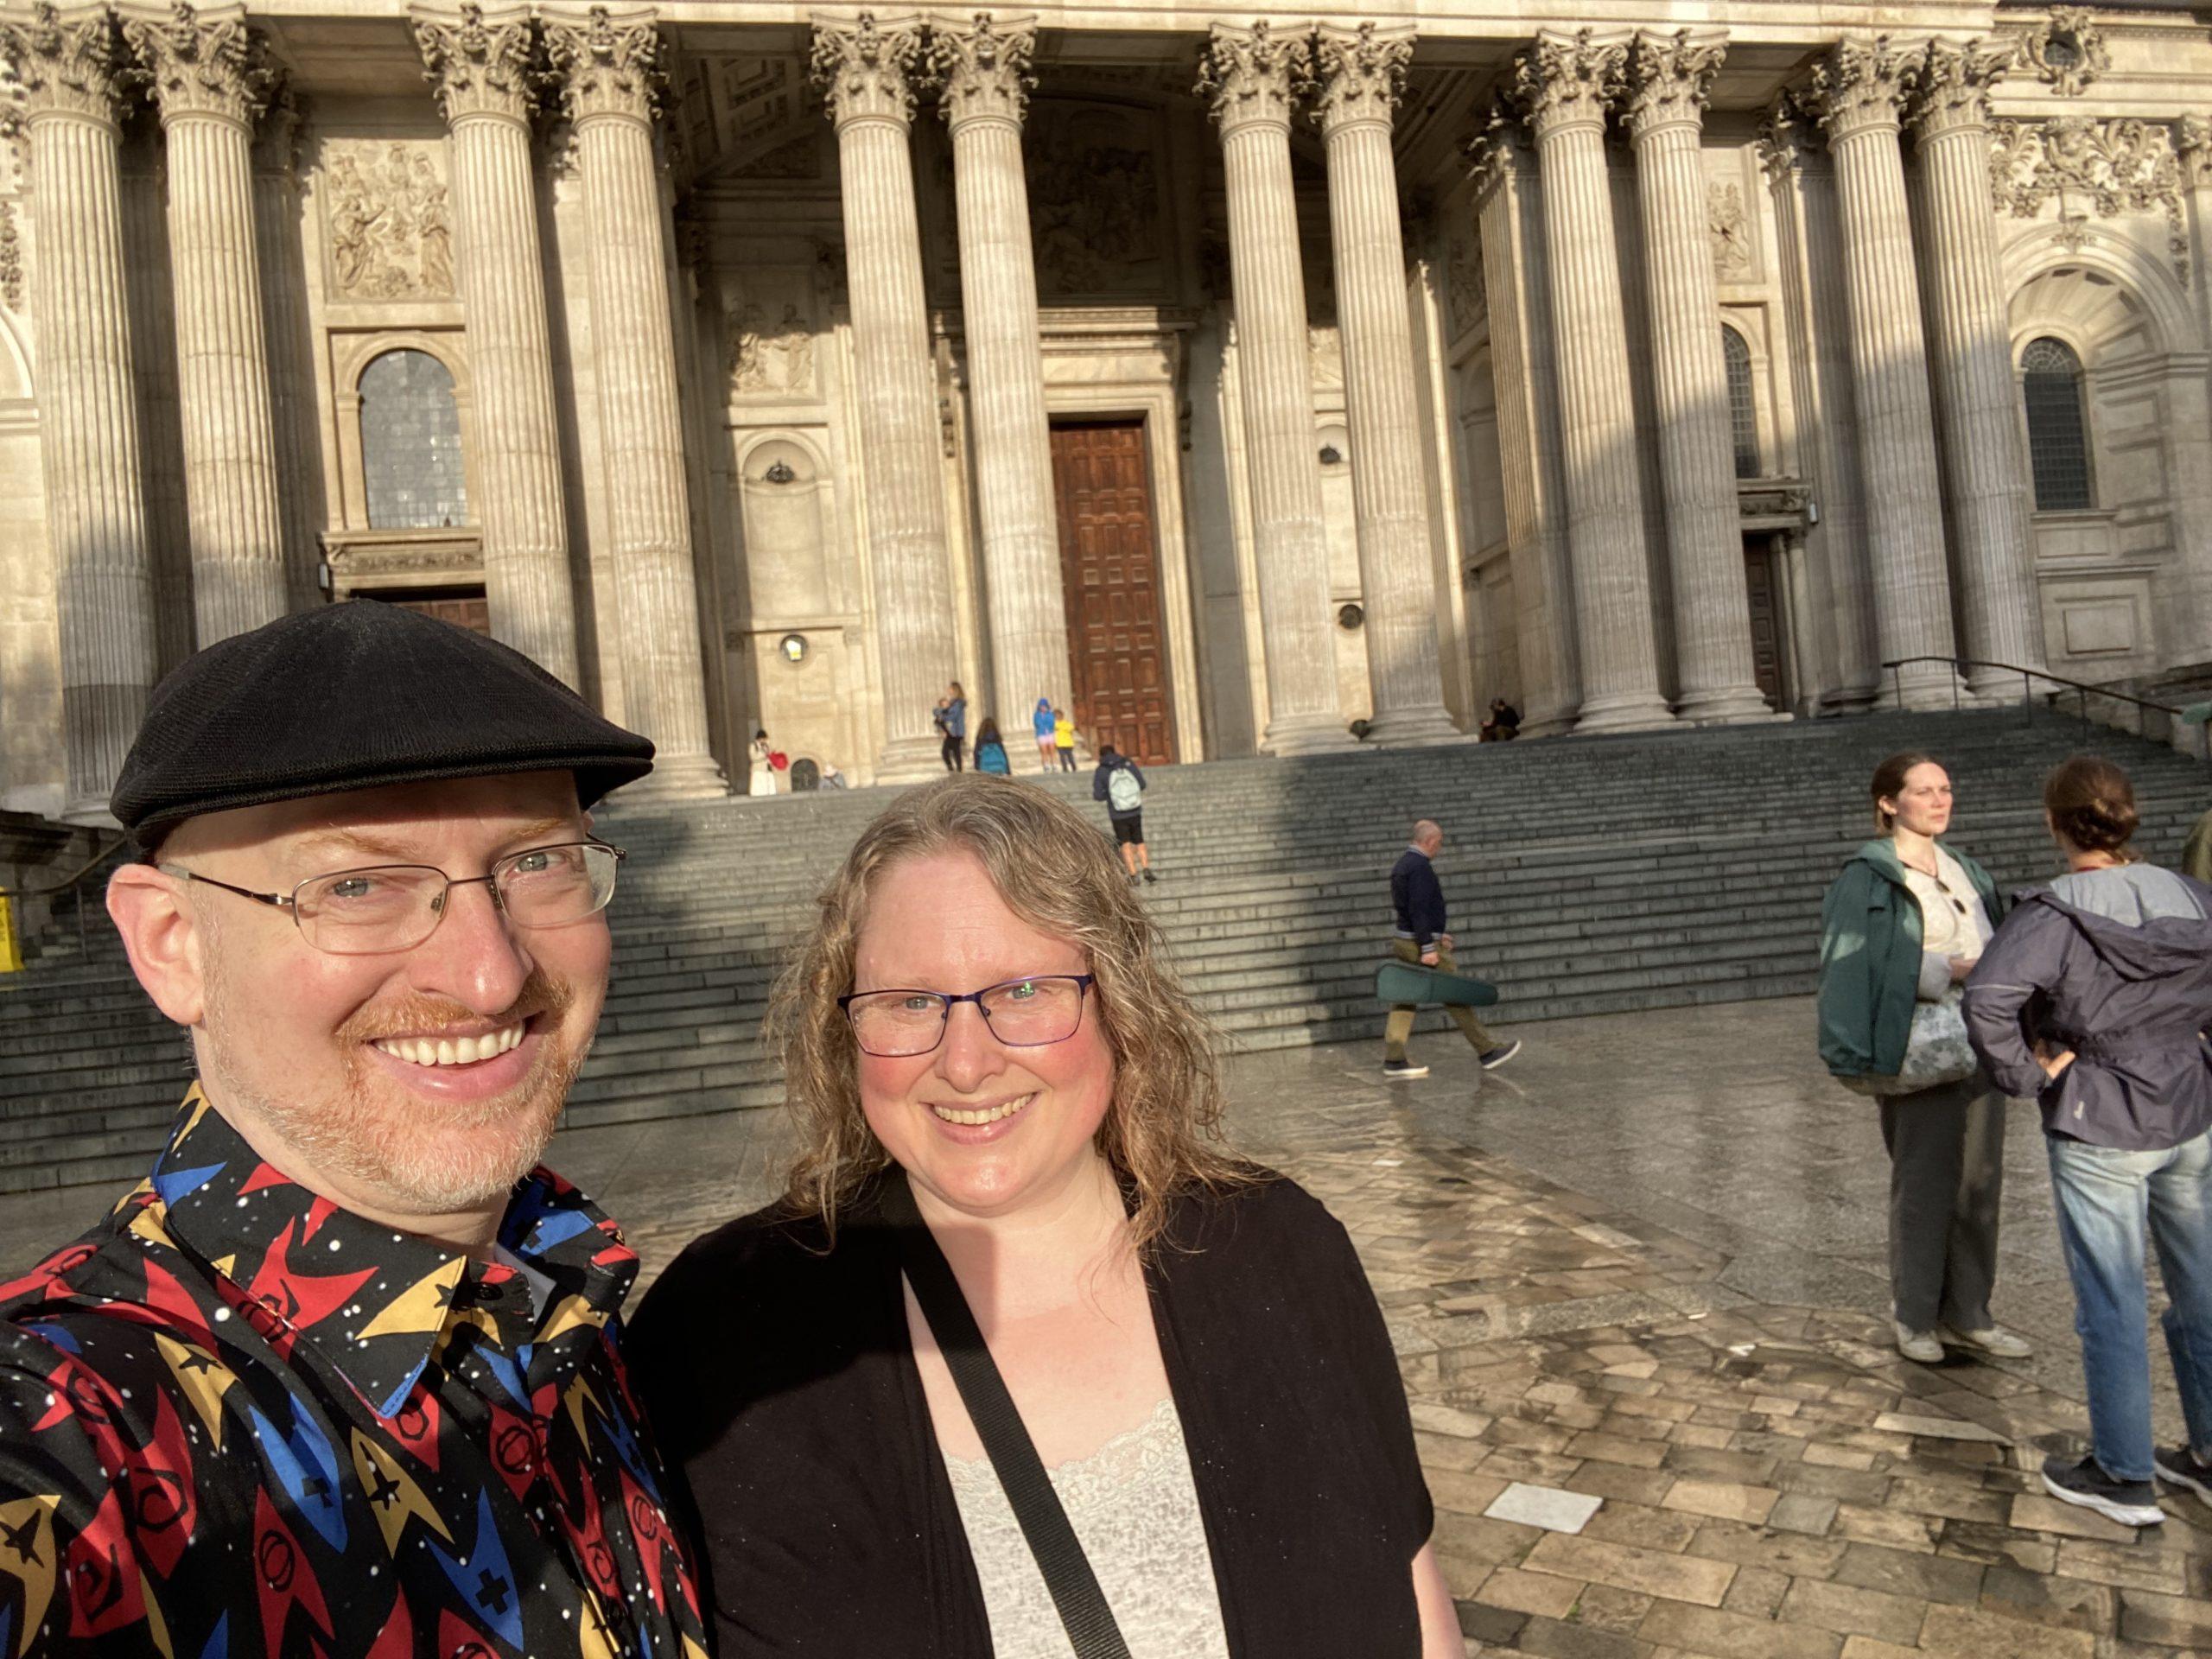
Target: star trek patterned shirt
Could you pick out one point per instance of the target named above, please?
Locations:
(235, 1419)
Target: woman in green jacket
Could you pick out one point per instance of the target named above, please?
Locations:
(1902, 923)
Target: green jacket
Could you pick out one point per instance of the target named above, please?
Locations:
(1869, 959)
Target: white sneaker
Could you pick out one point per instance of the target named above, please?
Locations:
(1922, 1345)
(1996, 1342)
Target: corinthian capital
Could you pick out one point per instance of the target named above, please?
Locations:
(1567, 80)
(1359, 74)
(1953, 86)
(66, 64)
(1861, 85)
(984, 69)
(1500, 143)
(477, 67)
(1252, 75)
(866, 68)
(1789, 138)
(608, 67)
(1670, 77)
(209, 64)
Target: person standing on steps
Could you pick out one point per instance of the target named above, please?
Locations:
(952, 720)
(761, 777)
(990, 750)
(1063, 739)
(1418, 898)
(1040, 723)
(2108, 972)
(1901, 928)
(1119, 783)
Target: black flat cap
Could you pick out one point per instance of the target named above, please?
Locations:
(353, 696)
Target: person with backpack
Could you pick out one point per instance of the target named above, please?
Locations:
(990, 750)
(1119, 783)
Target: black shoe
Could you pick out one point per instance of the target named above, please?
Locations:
(1403, 1069)
(1149, 878)
(2182, 1466)
(1498, 1056)
(2131, 1502)
(1133, 878)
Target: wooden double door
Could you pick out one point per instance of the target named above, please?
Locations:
(1110, 579)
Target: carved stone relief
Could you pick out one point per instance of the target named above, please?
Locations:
(2066, 50)
(1094, 200)
(1466, 297)
(2090, 169)
(388, 220)
(1730, 232)
(11, 258)
(771, 350)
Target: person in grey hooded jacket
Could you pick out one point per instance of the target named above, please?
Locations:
(2093, 998)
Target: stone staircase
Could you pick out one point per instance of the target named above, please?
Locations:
(1586, 876)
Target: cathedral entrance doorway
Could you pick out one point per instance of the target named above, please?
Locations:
(465, 607)
(1109, 576)
(1762, 585)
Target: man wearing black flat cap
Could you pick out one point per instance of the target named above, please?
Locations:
(341, 1375)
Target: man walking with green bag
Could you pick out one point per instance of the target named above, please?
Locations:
(1418, 898)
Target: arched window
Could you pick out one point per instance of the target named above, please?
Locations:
(410, 443)
(1743, 403)
(2058, 437)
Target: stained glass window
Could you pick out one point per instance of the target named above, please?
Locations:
(1743, 403)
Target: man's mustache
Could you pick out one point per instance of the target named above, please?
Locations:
(410, 1016)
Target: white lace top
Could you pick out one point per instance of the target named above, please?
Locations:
(1133, 1505)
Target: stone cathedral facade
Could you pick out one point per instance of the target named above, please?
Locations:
(1238, 380)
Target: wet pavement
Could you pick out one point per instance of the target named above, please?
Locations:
(1636, 1283)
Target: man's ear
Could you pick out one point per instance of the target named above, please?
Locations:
(163, 935)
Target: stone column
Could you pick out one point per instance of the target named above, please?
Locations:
(1525, 383)
(1855, 92)
(1565, 83)
(291, 388)
(481, 72)
(1251, 76)
(611, 76)
(866, 69)
(1670, 77)
(986, 88)
(212, 78)
(1361, 76)
(68, 70)
(1985, 455)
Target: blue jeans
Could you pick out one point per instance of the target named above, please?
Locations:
(2107, 1199)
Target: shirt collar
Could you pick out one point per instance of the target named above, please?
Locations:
(379, 1305)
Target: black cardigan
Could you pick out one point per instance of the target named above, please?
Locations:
(780, 1380)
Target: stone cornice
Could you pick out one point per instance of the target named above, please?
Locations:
(214, 66)
(1569, 81)
(608, 69)
(1359, 74)
(69, 64)
(1670, 78)
(983, 69)
(1862, 84)
(867, 68)
(477, 68)
(1951, 92)
(1252, 75)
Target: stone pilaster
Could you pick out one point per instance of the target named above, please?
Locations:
(291, 387)
(1360, 75)
(611, 78)
(1525, 384)
(984, 69)
(480, 69)
(1565, 83)
(1670, 77)
(68, 68)
(1856, 93)
(867, 68)
(212, 79)
(1251, 77)
(1984, 452)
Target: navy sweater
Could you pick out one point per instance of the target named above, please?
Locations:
(1417, 897)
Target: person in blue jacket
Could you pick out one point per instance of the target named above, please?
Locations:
(951, 720)
(1040, 723)
(990, 749)
(2093, 998)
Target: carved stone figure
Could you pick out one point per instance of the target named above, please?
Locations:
(1730, 230)
(2066, 50)
(390, 223)
(11, 258)
(1466, 297)
(1094, 204)
(2089, 167)
(762, 359)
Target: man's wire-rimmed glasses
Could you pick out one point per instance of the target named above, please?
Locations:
(388, 907)
(1028, 1012)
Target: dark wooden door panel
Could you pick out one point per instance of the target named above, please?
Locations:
(465, 610)
(1766, 619)
(1110, 578)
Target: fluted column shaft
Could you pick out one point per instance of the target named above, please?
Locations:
(1361, 75)
(1856, 91)
(1250, 75)
(481, 76)
(868, 76)
(211, 81)
(1984, 458)
(291, 398)
(88, 449)
(610, 78)
(985, 73)
(1670, 77)
(1566, 84)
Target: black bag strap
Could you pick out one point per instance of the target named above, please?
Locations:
(1082, 1604)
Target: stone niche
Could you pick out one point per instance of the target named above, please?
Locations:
(793, 575)
(1097, 215)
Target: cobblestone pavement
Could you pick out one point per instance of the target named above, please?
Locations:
(1637, 1284)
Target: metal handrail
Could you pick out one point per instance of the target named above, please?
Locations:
(2083, 689)
(72, 883)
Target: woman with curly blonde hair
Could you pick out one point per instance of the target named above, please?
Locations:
(1007, 1108)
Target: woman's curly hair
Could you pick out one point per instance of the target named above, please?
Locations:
(1162, 1131)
